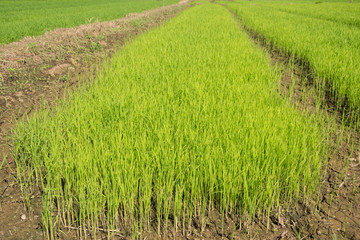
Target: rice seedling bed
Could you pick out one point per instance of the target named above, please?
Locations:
(184, 120)
(33, 81)
(337, 214)
(340, 11)
(328, 48)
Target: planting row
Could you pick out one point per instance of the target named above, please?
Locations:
(331, 49)
(340, 12)
(183, 121)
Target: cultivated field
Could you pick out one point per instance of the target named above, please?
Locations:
(235, 120)
(319, 36)
(23, 18)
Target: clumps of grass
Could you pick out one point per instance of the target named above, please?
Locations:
(184, 120)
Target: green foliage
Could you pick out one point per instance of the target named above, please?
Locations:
(325, 37)
(339, 12)
(183, 120)
(19, 19)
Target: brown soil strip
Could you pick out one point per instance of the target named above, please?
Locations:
(337, 215)
(38, 70)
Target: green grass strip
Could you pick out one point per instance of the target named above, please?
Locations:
(23, 18)
(341, 12)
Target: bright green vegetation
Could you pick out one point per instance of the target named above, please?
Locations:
(31, 18)
(183, 120)
(332, 11)
(330, 48)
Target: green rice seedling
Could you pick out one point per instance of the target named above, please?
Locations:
(183, 121)
(331, 49)
(1, 165)
(340, 12)
(32, 18)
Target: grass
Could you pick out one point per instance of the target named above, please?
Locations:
(1, 165)
(330, 48)
(340, 12)
(184, 120)
(23, 18)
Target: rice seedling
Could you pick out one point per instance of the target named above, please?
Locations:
(1, 165)
(32, 18)
(340, 12)
(184, 120)
(330, 48)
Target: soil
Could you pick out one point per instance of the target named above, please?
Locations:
(41, 69)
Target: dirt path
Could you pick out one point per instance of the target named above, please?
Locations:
(38, 70)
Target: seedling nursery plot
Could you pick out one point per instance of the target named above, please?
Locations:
(185, 118)
(185, 126)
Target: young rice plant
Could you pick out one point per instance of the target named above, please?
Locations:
(183, 121)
